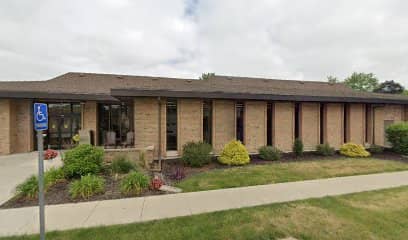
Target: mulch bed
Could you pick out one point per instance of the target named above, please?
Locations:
(59, 193)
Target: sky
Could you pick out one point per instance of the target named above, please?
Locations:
(296, 39)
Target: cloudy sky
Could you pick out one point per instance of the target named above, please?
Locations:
(296, 39)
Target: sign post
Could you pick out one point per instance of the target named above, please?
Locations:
(40, 124)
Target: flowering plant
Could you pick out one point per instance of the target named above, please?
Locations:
(50, 154)
(156, 183)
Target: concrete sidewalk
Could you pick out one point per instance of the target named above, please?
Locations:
(79, 215)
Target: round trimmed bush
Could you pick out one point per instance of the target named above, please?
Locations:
(397, 135)
(83, 160)
(298, 147)
(134, 183)
(196, 154)
(325, 150)
(353, 150)
(269, 153)
(234, 153)
(87, 186)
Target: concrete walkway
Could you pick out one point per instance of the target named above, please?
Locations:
(79, 215)
(15, 168)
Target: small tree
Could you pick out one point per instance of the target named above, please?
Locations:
(390, 87)
(206, 76)
(332, 79)
(362, 81)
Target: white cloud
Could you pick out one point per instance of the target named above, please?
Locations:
(284, 39)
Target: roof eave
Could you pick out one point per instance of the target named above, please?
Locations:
(55, 96)
(123, 93)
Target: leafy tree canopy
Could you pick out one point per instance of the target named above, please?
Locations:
(332, 79)
(362, 81)
(390, 86)
(206, 76)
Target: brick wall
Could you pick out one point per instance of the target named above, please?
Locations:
(146, 124)
(386, 114)
(5, 117)
(223, 123)
(90, 118)
(255, 125)
(190, 121)
(356, 123)
(22, 126)
(333, 116)
(283, 125)
(309, 125)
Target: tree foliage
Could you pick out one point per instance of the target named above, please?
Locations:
(362, 81)
(390, 86)
(332, 79)
(206, 76)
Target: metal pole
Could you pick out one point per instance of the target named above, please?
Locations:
(41, 183)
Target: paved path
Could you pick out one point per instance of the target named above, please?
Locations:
(68, 216)
(15, 168)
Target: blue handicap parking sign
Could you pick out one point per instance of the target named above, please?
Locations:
(40, 116)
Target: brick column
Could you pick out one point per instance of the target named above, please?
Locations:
(255, 125)
(333, 115)
(190, 122)
(5, 126)
(90, 118)
(356, 123)
(223, 123)
(22, 126)
(283, 125)
(309, 128)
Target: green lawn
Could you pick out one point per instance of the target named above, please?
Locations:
(369, 215)
(286, 172)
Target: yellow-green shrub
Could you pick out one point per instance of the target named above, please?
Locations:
(353, 150)
(234, 153)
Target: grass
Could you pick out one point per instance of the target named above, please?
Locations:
(286, 172)
(370, 215)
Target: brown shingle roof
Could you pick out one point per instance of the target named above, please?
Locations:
(91, 86)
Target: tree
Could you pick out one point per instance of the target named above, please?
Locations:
(332, 79)
(362, 81)
(206, 76)
(391, 87)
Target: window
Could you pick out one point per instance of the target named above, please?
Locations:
(115, 123)
(239, 113)
(269, 124)
(345, 122)
(171, 124)
(322, 123)
(297, 121)
(207, 121)
(367, 123)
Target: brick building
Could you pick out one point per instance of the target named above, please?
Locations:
(165, 113)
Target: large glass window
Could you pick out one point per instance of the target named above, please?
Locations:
(322, 123)
(269, 124)
(207, 121)
(64, 123)
(239, 109)
(345, 122)
(116, 124)
(171, 124)
(297, 120)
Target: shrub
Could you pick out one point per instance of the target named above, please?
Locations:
(234, 153)
(50, 154)
(82, 160)
(353, 150)
(156, 183)
(325, 150)
(298, 147)
(375, 149)
(397, 135)
(269, 153)
(28, 188)
(87, 186)
(53, 176)
(122, 165)
(134, 183)
(196, 154)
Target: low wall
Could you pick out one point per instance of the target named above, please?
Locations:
(132, 154)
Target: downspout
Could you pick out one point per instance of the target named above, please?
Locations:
(160, 133)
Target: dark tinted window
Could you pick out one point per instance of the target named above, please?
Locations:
(171, 124)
